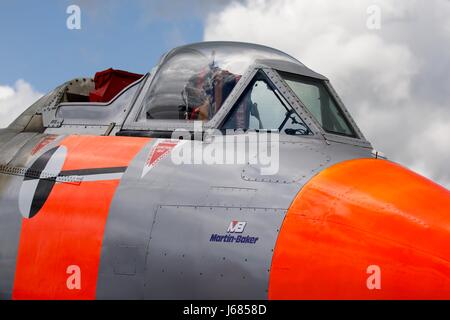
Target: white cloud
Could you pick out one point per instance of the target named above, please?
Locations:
(394, 80)
(15, 100)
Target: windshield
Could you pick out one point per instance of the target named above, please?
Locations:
(320, 103)
(195, 80)
(263, 108)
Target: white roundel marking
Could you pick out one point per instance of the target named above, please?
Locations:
(47, 167)
(56, 163)
(26, 196)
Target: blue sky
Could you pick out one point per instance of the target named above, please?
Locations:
(37, 46)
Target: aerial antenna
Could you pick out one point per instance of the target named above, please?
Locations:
(212, 65)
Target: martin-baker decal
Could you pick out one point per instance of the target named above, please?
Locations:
(234, 227)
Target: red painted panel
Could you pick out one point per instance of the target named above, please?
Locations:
(69, 228)
(357, 214)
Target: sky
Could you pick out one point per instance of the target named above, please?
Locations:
(388, 60)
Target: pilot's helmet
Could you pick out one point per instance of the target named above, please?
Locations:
(199, 88)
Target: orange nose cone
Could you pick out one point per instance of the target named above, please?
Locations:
(364, 229)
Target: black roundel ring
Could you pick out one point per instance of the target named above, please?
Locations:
(46, 171)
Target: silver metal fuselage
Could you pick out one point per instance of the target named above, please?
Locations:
(158, 237)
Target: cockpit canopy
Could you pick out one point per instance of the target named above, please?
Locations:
(227, 85)
(193, 81)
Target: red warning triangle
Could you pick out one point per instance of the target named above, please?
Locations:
(159, 151)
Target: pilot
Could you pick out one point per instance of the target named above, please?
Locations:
(206, 91)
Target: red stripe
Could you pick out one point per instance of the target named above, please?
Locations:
(69, 228)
